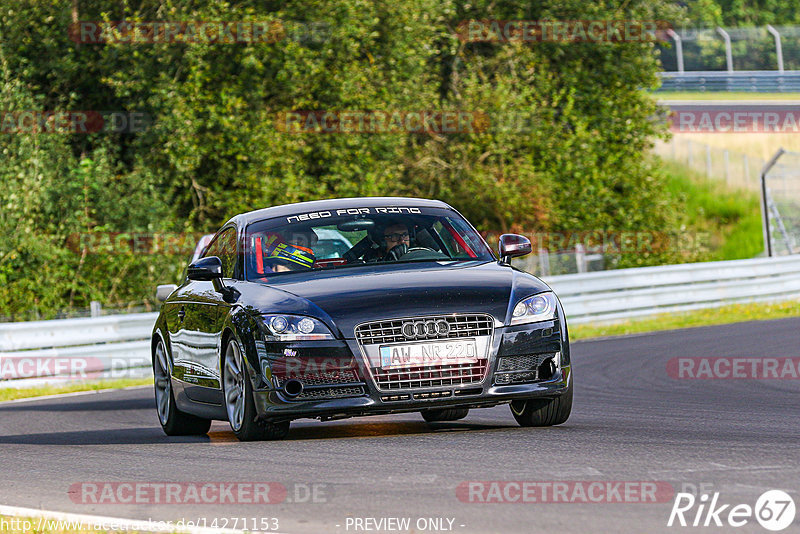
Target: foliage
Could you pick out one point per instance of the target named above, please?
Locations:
(578, 162)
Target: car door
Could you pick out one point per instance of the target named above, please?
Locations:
(205, 317)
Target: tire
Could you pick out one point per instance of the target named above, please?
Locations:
(444, 414)
(543, 412)
(239, 404)
(173, 421)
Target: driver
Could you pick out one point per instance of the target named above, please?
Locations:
(396, 241)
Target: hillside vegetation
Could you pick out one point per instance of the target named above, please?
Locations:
(566, 149)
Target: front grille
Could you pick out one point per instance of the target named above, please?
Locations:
(331, 393)
(520, 369)
(383, 332)
(345, 376)
(430, 376)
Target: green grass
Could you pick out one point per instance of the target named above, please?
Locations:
(687, 95)
(734, 313)
(7, 394)
(731, 218)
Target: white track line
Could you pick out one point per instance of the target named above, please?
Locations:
(73, 394)
(121, 524)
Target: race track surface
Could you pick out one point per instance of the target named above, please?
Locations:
(631, 421)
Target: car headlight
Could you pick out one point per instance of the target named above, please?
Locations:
(541, 307)
(295, 328)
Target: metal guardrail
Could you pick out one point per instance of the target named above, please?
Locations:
(121, 343)
(633, 293)
(741, 81)
(48, 352)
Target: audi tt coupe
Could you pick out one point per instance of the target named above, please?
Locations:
(351, 307)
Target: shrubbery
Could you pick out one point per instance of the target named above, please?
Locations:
(579, 163)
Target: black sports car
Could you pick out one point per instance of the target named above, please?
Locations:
(414, 313)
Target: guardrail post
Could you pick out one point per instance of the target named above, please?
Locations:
(544, 262)
(580, 258)
(690, 159)
(726, 160)
(708, 161)
(746, 165)
(764, 208)
(96, 308)
(678, 47)
(728, 49)
(778, 47)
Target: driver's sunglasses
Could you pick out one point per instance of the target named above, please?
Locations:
(394, 238)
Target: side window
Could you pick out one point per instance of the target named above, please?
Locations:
(224, 247)
(447, 238)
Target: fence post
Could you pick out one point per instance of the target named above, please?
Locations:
(690, 159)
(544, 262)
(746, 169)
(728, 50)
(580, 258)
(764, 208)
(678, 47)
(708, 161)
(726, 159)
(778, 47)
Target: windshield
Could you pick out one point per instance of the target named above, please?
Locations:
(348, 237)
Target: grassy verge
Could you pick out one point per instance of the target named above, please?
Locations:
(22, 393)
(734, 313)
(714, 95)
(730, 218)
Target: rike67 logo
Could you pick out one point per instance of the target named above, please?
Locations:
(774, 510)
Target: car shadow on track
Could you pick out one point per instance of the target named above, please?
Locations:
(126, 436)
(87, 406)
(354, 430)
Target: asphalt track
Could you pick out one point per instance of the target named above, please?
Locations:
(632, 421)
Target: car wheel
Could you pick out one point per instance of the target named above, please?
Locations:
(173, 421)
(239, 404)
(444, 414)
(543, 412)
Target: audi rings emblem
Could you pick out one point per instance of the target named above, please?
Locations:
(425, 329)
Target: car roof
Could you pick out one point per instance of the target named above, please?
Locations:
(334, 204)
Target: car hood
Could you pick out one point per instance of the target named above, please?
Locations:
(360, 294)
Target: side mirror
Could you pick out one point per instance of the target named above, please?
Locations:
(205, 269)
(513, 245)
(163, 292)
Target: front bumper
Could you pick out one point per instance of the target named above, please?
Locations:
(366, 398)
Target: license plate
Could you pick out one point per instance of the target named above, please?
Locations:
(431, 353)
